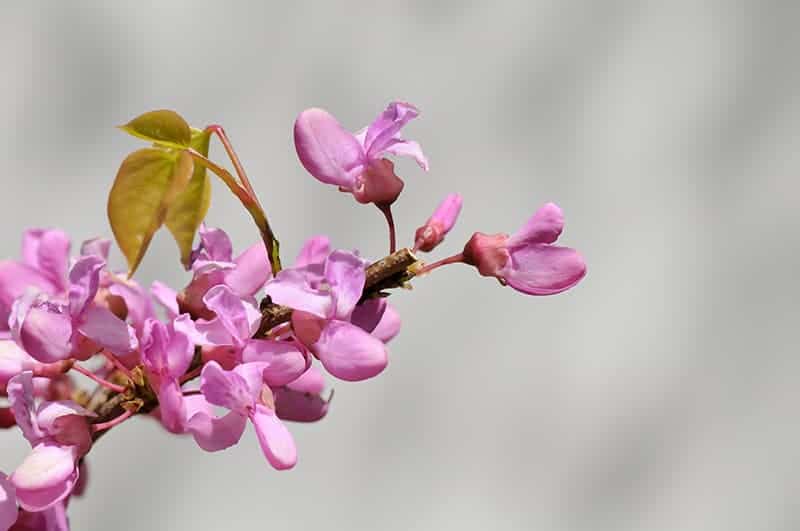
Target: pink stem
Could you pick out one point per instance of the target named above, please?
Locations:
(237, 165)
(191, 375)
(455, 259)
(387, 213)
(92, 376)
(113, 422)
(118, 364)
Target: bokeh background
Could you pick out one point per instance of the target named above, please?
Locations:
(660, 394)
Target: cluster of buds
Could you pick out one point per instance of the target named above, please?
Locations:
(245, 335)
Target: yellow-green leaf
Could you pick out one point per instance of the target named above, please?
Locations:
(147, 184)
(163, 127)
(190, 207)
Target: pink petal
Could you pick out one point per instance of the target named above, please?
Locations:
(164, 349)
(214, 251)
(283, 361)
(20, 396)
(541, 269)
(377, 317)
(65, 422)
(291, 288)
(350, 353)
(387, 125)
(97, 247)
(107, 330)
(45, 332)
(298, 406)
(312, 381)
(8, 503)
(13, 360)
(389, 325)
(275, 440)
(171, 406)
(166, 297)
(344, 271)
(137, 301)
(543, 227)
(251, 272)
(225, 388)
(328, 152)
(213, 434)
(45, 477)
(240, 318)
(15, 279)
(201, 332)
(315, 250)
(48, 252)
(408, 148)
(84, 279)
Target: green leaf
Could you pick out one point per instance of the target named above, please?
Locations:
(147, 184)
(190, 207)
(164, 127)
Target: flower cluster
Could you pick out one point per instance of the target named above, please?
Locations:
(238, 344)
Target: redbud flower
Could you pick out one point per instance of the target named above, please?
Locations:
(243, 392)
(232, 329)
(444, 217)
(166, 354)
(353, 161)
(59, 435)
(52, 329)
(323, 302)
(213, 264)
(45, 256)
(526, 260)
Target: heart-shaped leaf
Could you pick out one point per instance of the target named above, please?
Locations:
(163, 127)
(189, 209)
(147, 184)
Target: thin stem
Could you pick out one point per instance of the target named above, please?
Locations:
(192, 392)
(251, 204)
(117, 364)
(113, 422)
(191, 375)
(455, 259)
(387, 213)
(92, 376)
(237, 165)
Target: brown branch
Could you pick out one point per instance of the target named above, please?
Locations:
(390, 272)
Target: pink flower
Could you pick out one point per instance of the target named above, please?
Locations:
(59, 434)
(166, 354)
(45, 257)
(526, 260)
(52, 329)
(231, 332)
(212, 263)
(353, 161)
(323, 300)
(243, 392)
(444, 217)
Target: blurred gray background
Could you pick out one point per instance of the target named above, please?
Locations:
(660, 394)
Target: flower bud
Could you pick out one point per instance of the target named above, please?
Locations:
(444, 217)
